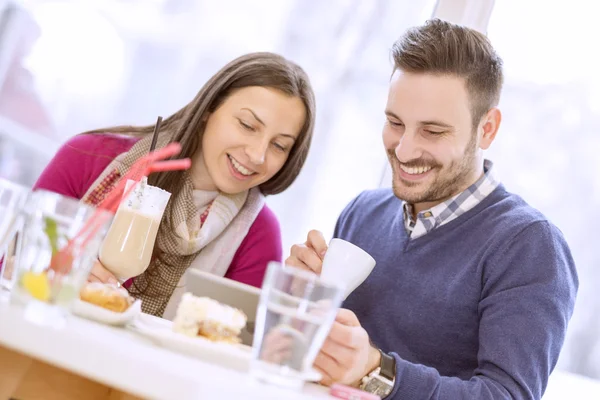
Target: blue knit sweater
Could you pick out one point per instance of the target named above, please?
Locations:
(476, 309)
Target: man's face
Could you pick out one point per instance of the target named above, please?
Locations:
(429, 137)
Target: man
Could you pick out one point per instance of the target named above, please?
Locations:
(473, 288)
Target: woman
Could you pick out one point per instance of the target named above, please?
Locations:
(247, 133)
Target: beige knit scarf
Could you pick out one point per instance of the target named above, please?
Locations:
(183, 240)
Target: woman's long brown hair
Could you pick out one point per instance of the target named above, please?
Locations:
(187, 125)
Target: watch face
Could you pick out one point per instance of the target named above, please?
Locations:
(378, 387)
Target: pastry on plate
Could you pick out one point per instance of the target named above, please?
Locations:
(107, 296)
(203, 316)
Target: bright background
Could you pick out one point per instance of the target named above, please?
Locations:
(69, 66)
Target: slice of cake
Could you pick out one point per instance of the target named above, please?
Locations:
(202, 316)
(107, 296)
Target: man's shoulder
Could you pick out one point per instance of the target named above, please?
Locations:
(509, 210)
(511, 221)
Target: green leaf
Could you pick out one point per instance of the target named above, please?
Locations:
(51, 230)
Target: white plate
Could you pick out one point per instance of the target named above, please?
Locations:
(235, 356)
(96, 313)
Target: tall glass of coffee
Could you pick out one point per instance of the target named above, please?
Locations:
(127, 248)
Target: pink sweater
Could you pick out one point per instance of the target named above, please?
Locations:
(82, 159)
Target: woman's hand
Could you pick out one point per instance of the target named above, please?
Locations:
(100, 274)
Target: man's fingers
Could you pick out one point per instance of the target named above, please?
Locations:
(341, 354)
(294, 262)
(347, 317)
(310, 258)
(326, 362)
(347, 336)
(326, 379)
(307, 256)
(327, 367)
(317, 242)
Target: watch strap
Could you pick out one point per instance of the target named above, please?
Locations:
(388, 366)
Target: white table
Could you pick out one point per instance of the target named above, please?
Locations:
(126, 362)
(134, 367)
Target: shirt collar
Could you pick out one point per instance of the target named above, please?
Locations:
(452, 208)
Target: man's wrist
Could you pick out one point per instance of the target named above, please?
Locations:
(374, 360)
(381, 379)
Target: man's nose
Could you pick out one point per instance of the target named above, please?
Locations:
(408, 147)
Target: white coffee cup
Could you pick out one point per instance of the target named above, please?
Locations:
(347, 263)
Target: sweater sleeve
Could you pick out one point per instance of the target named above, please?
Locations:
(261, 245)
(66, 171)
(78, 163)
(528, 297)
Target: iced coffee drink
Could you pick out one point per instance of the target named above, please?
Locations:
(127, 248)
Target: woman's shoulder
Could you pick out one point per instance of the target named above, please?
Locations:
(264, 236)
(92, 153)
(80, 160)
(100, 144)
(266, 218)
(261, 245)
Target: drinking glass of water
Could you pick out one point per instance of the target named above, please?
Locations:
(44, 283)
(295, 313)
(12, 202)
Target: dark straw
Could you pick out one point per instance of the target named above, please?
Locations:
(155, 134)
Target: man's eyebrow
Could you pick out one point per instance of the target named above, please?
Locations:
(391, 114)
(437, 123)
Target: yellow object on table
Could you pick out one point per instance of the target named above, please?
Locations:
(37, 285)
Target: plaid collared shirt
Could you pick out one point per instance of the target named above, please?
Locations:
(452, 208)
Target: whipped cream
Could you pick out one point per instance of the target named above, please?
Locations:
(145, 199)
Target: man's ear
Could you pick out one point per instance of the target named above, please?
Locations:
(488, 127)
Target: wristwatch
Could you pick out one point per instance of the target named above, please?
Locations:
(381, 380)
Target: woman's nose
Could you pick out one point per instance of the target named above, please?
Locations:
(256, 153)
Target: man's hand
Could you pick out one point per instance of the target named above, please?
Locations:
(309, 256)
(347, 355)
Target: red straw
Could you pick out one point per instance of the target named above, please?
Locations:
(171, 165)
(143, 167)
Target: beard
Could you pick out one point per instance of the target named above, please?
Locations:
(448, 180)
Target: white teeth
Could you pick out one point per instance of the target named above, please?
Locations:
(415, 170)
(240, 168)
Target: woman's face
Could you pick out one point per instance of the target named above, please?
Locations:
(247, 139)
